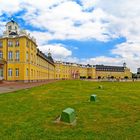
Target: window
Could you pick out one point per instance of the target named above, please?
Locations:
(10, 55)
(27, 72)
(10, 72)
(17, 43)
(9, 27)
(1, 44)
(27, 43)
(34, 59)
(17, 56)
(1, 72)
(17, 72)
(10, 43)
(27, 56)
(31, 58)
(1, 54)
(32, 72)
(32, 46)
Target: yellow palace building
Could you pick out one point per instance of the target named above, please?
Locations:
(67, 70)
(20, 59)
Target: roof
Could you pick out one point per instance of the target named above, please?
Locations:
(12, 21)
(41, 54)
(109, 68)
(50, 58)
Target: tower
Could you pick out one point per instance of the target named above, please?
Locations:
(50, 56)
(12, 28)
(124, 65)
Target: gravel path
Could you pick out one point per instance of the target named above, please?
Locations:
(14, 86)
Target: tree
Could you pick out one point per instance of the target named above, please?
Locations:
(112, 77)
(99, 77)
(134, 75)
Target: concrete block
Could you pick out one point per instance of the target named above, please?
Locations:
(93, 98)
(68, 115)
(100, 87)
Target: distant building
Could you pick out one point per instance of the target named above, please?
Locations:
(138, 70)
(118, 72)
(67, 70)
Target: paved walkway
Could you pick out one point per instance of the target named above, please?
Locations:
(14, 86)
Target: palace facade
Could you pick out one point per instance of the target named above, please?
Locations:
(21, 60)
(66, 70)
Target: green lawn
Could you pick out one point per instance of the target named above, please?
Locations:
(29, 114)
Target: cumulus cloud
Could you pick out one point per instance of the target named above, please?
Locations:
(59, 51)
(41, 37)
(2, 24)
(87, 4)
(130, 52)
(8, 7)
(68, 21)
(103, 60)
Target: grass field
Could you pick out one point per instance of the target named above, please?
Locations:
(29, 114)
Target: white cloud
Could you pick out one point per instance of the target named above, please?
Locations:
(41, 37)
(105, 60)
(2, 24)
(130, 52)
(58, 51)
(121, 8)
(68, 21)
(8, 7)
(123, 51)
(87, 4)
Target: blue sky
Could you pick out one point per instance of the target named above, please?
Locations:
(90, 48)
(81, 31)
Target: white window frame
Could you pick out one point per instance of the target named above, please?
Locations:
(10, 72)
(10, 55)
(17, 55)
(17, 72)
